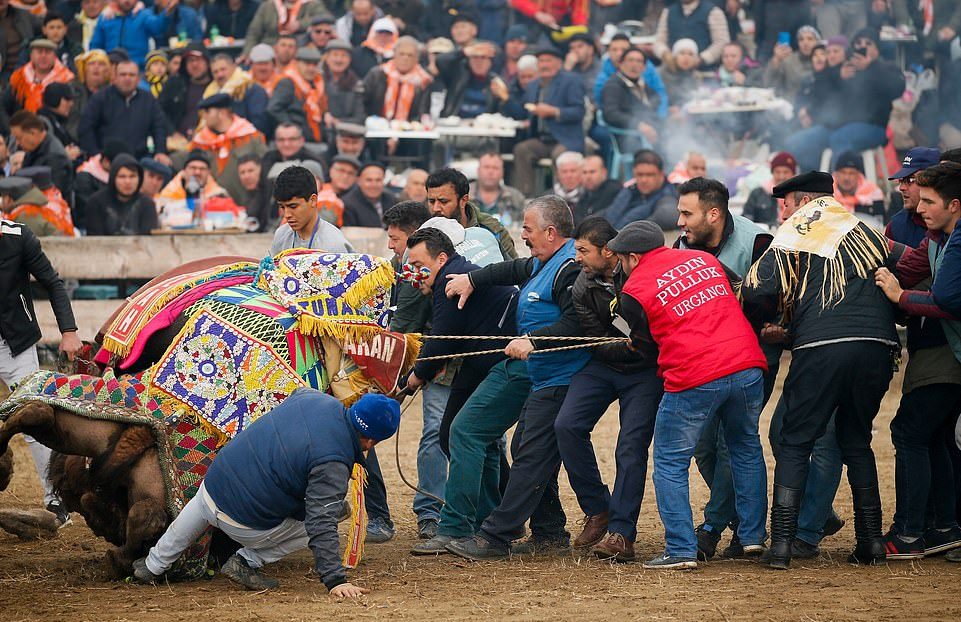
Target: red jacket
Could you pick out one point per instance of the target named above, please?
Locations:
(701, 333)
(559, 9)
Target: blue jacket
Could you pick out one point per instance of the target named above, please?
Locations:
(131, 32)
(650, 77)
(565, 91)
(659, 206)
(259, 479)
(184, 20)
(946, 288)
(907, 228)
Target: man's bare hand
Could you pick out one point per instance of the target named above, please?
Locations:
(888, 284)
(347, 590)
(546, 19)
(70, 344)
(459, 285)
(773, 333)
(519, 349)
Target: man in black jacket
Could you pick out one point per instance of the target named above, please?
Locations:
(472, 86)
(599, 190)
(17, 29)
(629, 104)
(364, 206)
(127, 113)
(41, 148)
(615, 372)
(20, 258)
(57, 104)
(120, 208)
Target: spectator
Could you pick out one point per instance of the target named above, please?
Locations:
(93, 74)
(837, 50)
(820, 96)
(155, 73)
(289, 148)
(440, 16)
(599, 191)
(121, 208)
(41, 148)
(680, 78)
(354, 25)
(856, 193)
(869, 87)
(81, 27)
(702, 21)
(182, 202)
(772, 17)
(398, 89)
(694, 164)
(184, 24)
(555, 104)
(249, 98)
(230, 18)
(299, 95)
(256, 196)
(27, 83)
(736, 69)
(295, 195)
(648, 197)
(225, 136)
(55, 30)
(787, 69)
(57, 104)
(123, 26)
(184, 91)
(463, 29)
(409, 16)
(491, 195)
(551, 16)
(342, 85)
(321, 32)
(515, 45)
(582, 60)
(612, 59)
(263, 69)
(124, 112)
(526, 74)
(21, 201)
(761, 206)
(285, 17)
(92, 177)
(17, 29)
(155, 177)
(472, 86)
(415, 188)
(569, 175)
(378, 48)
(628, 103)
(343, 174)
(284, 50)
(364, 206)
(42, 178)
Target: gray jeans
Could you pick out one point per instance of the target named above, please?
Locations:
(259, 546)
(13, 369)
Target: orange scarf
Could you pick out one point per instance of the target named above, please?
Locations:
(866, 194)
(314, 97)
(270, 83)
(57, 204)
(401, 89)
(286, 17)
(240, 132)
(330, 205)
(29, 90)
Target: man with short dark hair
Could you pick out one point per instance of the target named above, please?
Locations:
(41, 148)
(448, 195)
(343, 174)
(256, 197)
(616, 371)
(648, 197)
(599, 189)
(289, 147)
(491, 195)
(295, 192)
(907, 226)
(401, 221)
(364, 206)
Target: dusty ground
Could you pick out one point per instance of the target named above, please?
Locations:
(62, 579)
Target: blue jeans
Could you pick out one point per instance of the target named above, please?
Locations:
(824, 477)
(808, 144)
(431, 460)
(737, 399)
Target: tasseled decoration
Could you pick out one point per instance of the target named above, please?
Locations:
(357, 533)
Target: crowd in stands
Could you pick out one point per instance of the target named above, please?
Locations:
(210, 100)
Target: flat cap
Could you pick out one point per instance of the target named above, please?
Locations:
(43, 44)
(149, 164)
(637, 237)
(516, 32)
(346, 159)
(262, 53)
(217, 100)
(40, 176)
(323, 18)
(549, 49)
(351, 129)
(56, 92)
(197, 155)
(812, 181)
(14, 186)
(308, 54)
(338, 44)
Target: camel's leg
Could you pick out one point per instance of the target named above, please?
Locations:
(33, 418)
(146, 522)
(6, 469)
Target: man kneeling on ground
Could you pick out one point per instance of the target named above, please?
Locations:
(279, 486)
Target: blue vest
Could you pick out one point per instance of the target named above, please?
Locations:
(693, 26)
(952, 328)
(536, 308)
(260, 477)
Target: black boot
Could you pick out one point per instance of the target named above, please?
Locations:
(867, 527)
(784, 512)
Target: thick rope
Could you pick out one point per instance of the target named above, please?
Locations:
(598, 341)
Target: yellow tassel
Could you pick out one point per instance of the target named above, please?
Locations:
(115, 347)
(357, 532)
(381, 277)
(413, 343)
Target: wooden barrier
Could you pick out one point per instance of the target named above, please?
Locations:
(140, 258)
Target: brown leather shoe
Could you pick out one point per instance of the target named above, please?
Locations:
(595, 527)
(616, 547)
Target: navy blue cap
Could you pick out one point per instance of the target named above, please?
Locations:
(917, 159)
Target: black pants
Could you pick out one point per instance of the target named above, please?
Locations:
(532, 488)
(922, 432)
(467, 380)
(851, 377)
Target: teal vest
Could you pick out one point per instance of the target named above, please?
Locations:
(952, 328)
(737, 253)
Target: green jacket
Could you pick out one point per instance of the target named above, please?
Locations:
(263, 27)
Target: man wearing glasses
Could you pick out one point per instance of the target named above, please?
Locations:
(321, 31)
(906, 226)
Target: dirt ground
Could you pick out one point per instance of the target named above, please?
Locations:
(63, 578)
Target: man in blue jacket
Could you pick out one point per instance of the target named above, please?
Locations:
(650, 197)
(132, 29)
(555, 104)
(279, 486)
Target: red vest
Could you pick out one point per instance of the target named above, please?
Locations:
(694, 317)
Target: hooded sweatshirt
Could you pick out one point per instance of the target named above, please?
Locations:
(110, 214)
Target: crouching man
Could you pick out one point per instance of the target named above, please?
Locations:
(279, 486)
